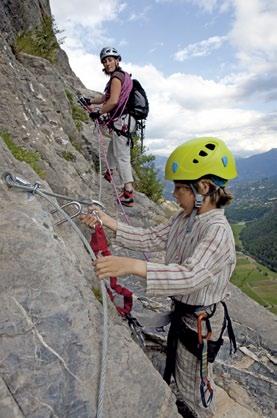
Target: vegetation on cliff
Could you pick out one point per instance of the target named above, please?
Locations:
(78, 114)
(22, 154)
(41, 41)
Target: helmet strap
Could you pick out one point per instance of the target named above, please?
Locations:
(198, 201)
(191, 219)
(198, 198)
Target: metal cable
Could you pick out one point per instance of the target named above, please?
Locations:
(21, 184)
(104, 353)
(28, 187)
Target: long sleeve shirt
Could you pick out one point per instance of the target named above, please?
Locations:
(198, 265)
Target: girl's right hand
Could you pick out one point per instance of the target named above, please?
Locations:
(90, 219)
(95, 215)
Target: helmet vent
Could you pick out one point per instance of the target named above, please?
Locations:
(210, 146)
(195, 161)
(202, 153)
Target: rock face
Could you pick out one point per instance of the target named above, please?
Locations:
(50, 315)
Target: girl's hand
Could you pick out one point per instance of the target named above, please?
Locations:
(91, 108)
(92, 217)
(113, 266)
(95, 215)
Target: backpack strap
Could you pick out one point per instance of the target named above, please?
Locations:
(126, 88)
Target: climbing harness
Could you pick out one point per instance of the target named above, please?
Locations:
(21, 184)
(196, 343)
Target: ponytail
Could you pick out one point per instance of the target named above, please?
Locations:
(219, 195)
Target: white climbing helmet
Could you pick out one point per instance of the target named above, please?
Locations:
(109, 51)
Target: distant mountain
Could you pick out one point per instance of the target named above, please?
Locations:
(250, 169)
(257, 166)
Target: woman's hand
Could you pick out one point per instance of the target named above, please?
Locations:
(94, 215)
(113, 266)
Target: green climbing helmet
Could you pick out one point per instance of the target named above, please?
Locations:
(200, 157)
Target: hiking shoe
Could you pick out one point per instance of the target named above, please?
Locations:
(108, 175)
(127, 198)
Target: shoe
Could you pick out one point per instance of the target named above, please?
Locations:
(108, 175)
(127, 198)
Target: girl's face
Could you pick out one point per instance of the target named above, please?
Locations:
(110, 64)
(184, 197)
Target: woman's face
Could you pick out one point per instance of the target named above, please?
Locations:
(110, 64)
(184, 197)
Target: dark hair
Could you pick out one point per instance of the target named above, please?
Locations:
(218, 194)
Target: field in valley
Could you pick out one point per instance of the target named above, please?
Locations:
(254, 279)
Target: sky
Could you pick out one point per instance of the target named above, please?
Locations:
(209, 67)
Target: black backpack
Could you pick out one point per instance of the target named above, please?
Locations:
(138, 105)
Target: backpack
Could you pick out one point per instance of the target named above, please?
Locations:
(138, 107)
(137, 104)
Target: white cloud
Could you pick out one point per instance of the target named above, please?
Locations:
(211, 5)
(156, 47)
(88, 68)
(84, 19)
(207, 5)
(86, 12)
(140, 16)
(216, 113)
(186, 105)
(254, 33)
(200, 49)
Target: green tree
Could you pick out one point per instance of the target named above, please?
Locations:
(146, 176)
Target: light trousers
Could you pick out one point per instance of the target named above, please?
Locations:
(118, 154)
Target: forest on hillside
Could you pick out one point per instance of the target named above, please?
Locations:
(259, 239)
(252, 200)
(255, 205)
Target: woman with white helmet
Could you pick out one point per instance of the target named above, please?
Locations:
(113, 102)
(199, 260)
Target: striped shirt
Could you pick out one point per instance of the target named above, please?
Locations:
(198, 265)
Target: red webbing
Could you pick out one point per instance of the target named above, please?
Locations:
(99, 246)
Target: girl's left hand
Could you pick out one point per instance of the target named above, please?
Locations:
(92, 108)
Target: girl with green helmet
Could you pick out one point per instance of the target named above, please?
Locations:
(199, 260)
